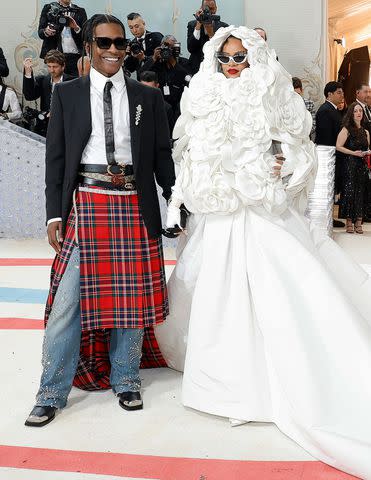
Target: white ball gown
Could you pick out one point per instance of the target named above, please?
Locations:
(270, 320)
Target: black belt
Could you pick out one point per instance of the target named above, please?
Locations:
(128, 187)
(107, 169)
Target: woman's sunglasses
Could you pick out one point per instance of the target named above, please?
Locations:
(237, 58)
(105, 43)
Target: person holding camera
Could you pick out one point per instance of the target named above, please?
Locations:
(151, 80)
(172, 76)
(9, 105)
(143, 45)
(200, 31)
(4, 69)
(60, 29)
(43, 86)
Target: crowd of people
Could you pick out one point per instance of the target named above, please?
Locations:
(156, 60)
(261, 306)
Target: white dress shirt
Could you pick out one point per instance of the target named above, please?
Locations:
(333, 104)
(197, 34)
(95, 150)
(11, 101)
(68, 43)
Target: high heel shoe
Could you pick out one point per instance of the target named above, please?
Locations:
(358, 227)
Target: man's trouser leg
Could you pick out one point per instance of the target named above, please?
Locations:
(61, 348)
(125, 355)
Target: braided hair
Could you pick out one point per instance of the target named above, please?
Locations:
(91, 24)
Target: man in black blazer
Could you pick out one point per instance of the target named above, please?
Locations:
(328, 126)
(145, 43)
(328, 118)
(4, 70)
(66, 39)
(107, 143)
(199, 33)
(42, 86)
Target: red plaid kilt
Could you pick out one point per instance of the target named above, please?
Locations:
(122, 281)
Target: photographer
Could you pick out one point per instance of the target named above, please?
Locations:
(42, 86)
(151, 80)
(200, 31)
(9, 105)
(143, 45)
(60, 29)
(4, 70)
(172, 77)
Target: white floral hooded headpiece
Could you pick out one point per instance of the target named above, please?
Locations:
(226, 129)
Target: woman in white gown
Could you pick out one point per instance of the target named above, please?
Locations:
(269, 319)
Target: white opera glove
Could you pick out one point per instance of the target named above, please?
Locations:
(173, 213)
(173, 216)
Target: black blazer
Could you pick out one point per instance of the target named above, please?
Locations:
(4, 70)
(69, 131)
(195, 46)
(40, 87)
(54, 42)
(328, 124)
(152, 40)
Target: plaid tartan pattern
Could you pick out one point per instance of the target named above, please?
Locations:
(94, 366)
(122, 271)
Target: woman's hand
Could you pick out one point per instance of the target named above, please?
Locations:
(279, 162)
(358, 153)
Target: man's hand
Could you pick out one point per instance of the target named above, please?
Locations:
(140, 56)
(27, 63)
(198, 24)
(72, 23)
(277, 168)
(157, 54)
(54, 236)
(49, 32)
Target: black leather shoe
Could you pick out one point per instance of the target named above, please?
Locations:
(40, 416)
(130, 400)
(338, 224)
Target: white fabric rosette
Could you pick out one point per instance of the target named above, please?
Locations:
(225, 134)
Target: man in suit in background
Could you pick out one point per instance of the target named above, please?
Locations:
(107, 141)
(200, 31)
(151, 80)
(328, 125)
(43, 86)
(4, 70)
(142, 47)
(62, 31)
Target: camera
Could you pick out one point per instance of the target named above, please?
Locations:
(166, 52)
(135, 46)
(35, 120)
(57, 16)
(206, 18)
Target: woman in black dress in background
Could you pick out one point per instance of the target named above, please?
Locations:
(353, 141)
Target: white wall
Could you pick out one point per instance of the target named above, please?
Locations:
(297, 30)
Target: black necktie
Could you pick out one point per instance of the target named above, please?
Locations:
(108, 123)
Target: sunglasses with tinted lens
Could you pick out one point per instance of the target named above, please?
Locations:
(105, 43)
(238, 58)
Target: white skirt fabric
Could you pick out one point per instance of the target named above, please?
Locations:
(270, 322)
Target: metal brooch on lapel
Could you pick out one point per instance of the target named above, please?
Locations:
(138, 114)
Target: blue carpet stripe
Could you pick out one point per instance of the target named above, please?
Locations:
(23, 295)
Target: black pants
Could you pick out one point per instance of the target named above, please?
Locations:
(71, 64)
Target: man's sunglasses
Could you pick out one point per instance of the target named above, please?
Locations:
(105, 43)
(237, 58)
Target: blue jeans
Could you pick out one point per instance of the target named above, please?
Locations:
(61, 348)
